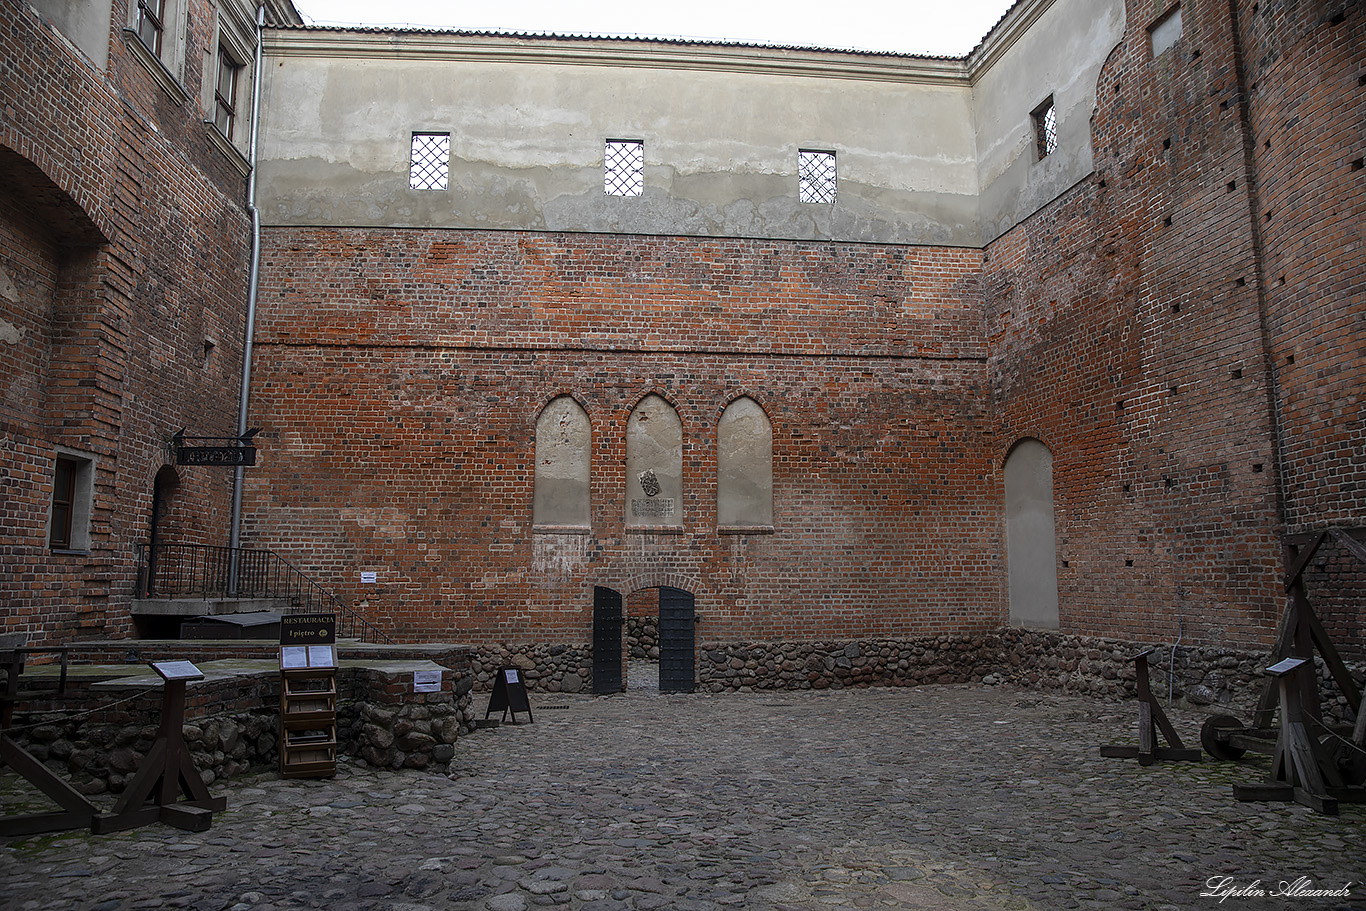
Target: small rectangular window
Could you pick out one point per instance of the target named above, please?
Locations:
(225, 93)
(429, 163)
(816, 177)
(63, 502)
(1045, 118)
(623, 168)
(151, 19)
(1166, 32)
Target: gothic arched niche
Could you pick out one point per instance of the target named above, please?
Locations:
(654, 465)
(744, 467)
(564, 458)
(1030, 549)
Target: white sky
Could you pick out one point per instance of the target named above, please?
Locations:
(939, 27)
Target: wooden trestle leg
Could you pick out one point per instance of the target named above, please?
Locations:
(167, 773)
(1151, 720)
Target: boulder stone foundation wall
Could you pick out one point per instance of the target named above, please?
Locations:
(1211, 679)
(232, 726)
(545, 668)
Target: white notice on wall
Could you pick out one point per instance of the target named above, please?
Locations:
(426, 681)
(369, 578)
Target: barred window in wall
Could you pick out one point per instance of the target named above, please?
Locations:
(816, 176)
(1045, 119)
(429, 163)
(151, 19)
(623, 171)
(225, 92)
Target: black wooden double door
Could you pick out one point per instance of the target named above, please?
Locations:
(677, 640)
(607, 623)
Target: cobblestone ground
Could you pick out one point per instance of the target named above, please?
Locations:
(947, 798)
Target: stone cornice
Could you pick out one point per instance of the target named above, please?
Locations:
(1018, 20)
(366, 43)
(454, 46)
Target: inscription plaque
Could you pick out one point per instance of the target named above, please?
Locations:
(653, 509)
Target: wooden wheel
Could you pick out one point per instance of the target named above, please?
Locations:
(1219, 747)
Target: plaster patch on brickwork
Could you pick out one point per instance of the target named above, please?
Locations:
(10, 333)
(390, 523)
(564, 439)
(7, 289)
(560, 557)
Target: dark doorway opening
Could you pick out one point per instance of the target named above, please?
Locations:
(164, 488)
(669, 666)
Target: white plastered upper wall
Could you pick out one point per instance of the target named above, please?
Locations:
(928, 150)
(1043, 49)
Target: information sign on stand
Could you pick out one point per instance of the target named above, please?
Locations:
(167, 773)
(509, 695)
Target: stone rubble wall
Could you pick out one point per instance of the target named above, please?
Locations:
(836, 665)
(1208, 679)
(383, 723)
(642, 637)
(232, 726)
(545, 668)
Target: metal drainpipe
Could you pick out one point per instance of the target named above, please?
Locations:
(253, 281)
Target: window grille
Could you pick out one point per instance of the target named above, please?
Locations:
(429, 166)
(225, 93)
(623, 171)
(816, 176)
(151, 15)
(1046, 129)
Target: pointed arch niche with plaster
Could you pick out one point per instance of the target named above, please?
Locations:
(564, 460)
(744, 469)
(654, 467)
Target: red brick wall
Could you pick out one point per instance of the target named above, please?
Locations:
(1142, 326)
(1127, 337)
(1137, 326)
(126, 232)
(1128, 332)
(400, 374)
(1306, 121)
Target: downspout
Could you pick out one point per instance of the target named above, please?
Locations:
(253, 282)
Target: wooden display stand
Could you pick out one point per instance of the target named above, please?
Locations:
(1151, 721)
(308, 711)
(1300, 770)
(167, 772)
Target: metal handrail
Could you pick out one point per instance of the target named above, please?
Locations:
(210, 571)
